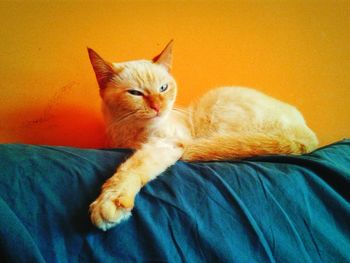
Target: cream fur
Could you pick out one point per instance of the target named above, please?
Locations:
(226, 123)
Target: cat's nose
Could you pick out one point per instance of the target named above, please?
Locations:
(155, 106)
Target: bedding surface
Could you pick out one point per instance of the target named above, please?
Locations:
(264, 209)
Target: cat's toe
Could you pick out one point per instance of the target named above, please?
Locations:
(105, 214)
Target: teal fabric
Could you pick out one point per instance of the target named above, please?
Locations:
(264, 209)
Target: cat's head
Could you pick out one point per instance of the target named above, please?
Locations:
(137, 90)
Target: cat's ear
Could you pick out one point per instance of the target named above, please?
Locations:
(165, 58)
(103, 70)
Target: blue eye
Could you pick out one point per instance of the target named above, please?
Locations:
(163, 88)
(135, 92)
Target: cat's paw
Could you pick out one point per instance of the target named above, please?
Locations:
(116, 200)
(108, 210)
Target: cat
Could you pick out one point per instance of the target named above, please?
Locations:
(226, 123)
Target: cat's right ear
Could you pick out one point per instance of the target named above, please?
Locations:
(103, 70)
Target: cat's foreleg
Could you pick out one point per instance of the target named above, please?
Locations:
(118, 193)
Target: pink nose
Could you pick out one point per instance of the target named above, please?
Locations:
(155, 107)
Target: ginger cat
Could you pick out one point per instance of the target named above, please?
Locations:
(226, 123)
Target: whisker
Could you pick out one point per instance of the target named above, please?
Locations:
(125, 116)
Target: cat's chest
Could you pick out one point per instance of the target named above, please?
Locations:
(133, 135)
(172, 130)
(126, 136)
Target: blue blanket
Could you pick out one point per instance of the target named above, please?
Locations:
(264, 209)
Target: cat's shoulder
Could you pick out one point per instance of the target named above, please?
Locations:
(234, 92)
(238, 95)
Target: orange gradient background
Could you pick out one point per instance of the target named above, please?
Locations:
(297, 51)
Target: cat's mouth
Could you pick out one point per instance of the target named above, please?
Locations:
(155, 115)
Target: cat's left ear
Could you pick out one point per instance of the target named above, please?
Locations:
(165, 58)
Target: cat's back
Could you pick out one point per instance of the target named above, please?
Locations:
(239, 108)
(239, 96)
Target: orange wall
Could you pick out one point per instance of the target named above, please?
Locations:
(298, 52)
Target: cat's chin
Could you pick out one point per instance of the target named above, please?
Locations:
(155, 120)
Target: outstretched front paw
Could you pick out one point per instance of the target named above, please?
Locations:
(115, 202)
(107, 211)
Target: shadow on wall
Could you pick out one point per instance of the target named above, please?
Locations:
(65, 125)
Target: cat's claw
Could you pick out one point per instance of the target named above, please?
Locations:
(105, 213)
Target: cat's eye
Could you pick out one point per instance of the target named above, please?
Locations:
(135, 92)
(163, 88)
